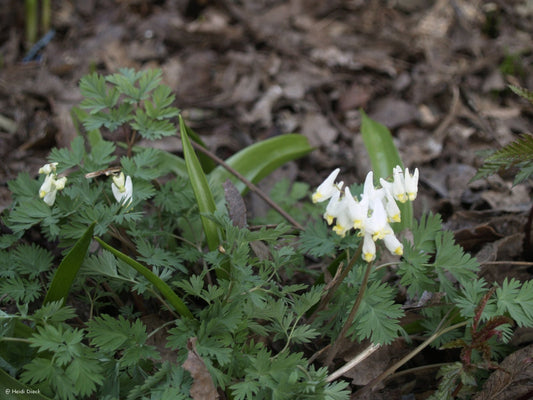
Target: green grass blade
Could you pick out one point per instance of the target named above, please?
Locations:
(11, 389)
(207, 164)
(202, 192)
(68, 268)
(173, 299)
(260, 159)
(384, 157)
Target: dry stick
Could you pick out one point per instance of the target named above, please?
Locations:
(352, 363)
(335, 348)
(389, 371)
(249, 184)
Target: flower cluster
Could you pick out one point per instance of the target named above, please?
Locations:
(373, 213)
(51, 183)
(121, 186)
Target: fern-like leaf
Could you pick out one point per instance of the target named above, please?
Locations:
(516, 154)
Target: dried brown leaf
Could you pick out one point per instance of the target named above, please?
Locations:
(202, 387)
(513, 380)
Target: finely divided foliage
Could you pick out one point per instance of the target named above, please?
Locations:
(257, 302)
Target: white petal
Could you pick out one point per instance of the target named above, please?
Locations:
(411, 184)
(369, 248)
(326, 188)
(50, 197)
(393, 244)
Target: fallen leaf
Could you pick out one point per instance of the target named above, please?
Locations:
(202, 387)
(512, 380)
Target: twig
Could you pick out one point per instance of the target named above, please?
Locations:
(389, 371)
(249, 184)
(352, 363)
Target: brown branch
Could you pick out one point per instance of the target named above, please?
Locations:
(248, 184)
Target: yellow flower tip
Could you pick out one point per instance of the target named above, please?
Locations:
(316, 197)
(358, 224)
(399, 250)
(395, 218)
(368, 257)
(412, 196)
(329, 219)
(402, 198)
(42, 193)
(339, 230)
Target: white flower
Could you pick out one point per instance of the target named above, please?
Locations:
(122, 188)
(376, 224)
(358, 210)
(344, 222)
(333, 208)
(49, 188)
(398, 185)
(393, 244)
(411, 184)
(47, 169)
(326, 188)
(392, 209)
(369, 248)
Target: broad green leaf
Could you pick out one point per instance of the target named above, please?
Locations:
(384, 157)
(260, 159)
(11, 389)
(174, 300)
(68, 268)
(204, 197)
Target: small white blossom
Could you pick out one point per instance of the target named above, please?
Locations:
(398, 185)
(377, 224)
(51, 184)
(47, 169)
(358, 210)
(369, 248)
(393, 244)
(326, 188)
(411, 184)
(122, 188)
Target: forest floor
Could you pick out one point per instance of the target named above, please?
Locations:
(436, 73)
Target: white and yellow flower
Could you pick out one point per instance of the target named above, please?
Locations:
(122, 188)
(51, 184)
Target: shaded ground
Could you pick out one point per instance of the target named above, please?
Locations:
(434, 72)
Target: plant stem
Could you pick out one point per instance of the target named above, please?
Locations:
(389, 371)
(249, 184)
(325, 300)
(335, 348)
(31, 21)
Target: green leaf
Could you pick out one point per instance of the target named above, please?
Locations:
(260, 159)
(165, 290)
(516, 154)
(202, 192)
(12, 389)
(68, 268)
(384, 157)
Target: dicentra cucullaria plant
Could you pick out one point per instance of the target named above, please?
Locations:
(112, 235)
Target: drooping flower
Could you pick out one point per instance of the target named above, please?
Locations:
(326, 188)
(411, 184)
(393, 244)
(51, 184)
(369, 248)
(122, 188)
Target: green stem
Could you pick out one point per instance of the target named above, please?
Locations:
(31, 21)
(14, 339)
(326, 299)
(46, 15)
(333, 351)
